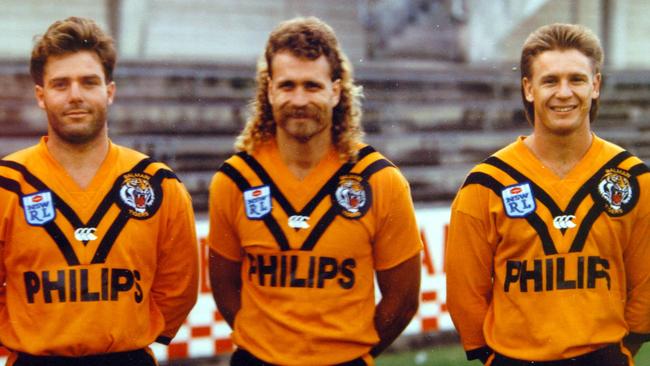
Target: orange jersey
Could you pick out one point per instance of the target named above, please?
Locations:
(545, 268)
(105, 269)
(309, 250)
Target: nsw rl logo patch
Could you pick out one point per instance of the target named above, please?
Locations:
(257, 201)
(518, 200)
(39, 208)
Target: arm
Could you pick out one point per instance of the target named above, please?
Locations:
(400, 293)
(3, 273)
(175, 286)
(3, 278)
(469, 262)
(637, 307)
(225, 280)
(396, 251)
(226, 255)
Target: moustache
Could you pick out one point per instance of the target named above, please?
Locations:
(310, 112)
(77, 107)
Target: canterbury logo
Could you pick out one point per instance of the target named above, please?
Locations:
(85, 233)
(298, 222)
(564, 222)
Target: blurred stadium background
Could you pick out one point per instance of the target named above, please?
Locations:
(440, 79)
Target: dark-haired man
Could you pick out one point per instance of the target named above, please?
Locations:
(98, 252)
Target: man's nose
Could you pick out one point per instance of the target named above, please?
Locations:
(564, 90)
(75, 92)
(299, 97)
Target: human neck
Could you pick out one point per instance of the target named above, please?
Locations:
(80, 161)
(560, 153)
(302, 156)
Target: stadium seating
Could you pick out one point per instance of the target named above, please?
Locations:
(434, 122)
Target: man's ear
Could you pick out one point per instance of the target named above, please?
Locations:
(110, 91)
(527, 86)
(336, 92)
(39, 93)
(269, 89)
(596, 85)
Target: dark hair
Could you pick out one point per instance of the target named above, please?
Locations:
(71, 35)
(560, 37)
(308, 38)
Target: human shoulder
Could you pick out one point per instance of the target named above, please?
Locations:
(615, 156)
(493, 170)
(22, 155)
(130, 159)
(375, 167)
(16, 164)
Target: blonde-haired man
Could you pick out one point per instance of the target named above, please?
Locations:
(305, 214)
(549, 240)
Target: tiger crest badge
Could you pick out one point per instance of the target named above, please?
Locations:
(137, 195)
(619, 191)
(352, 196)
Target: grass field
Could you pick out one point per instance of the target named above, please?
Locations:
(454, 356)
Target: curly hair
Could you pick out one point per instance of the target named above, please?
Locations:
(71, 35)
(307, 38)
(560, 36)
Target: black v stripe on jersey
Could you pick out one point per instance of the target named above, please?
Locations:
(589, 220)
(321, 226)
(585, 189)
(533, 219)
(122, 218)
(108, 200)
(331, 183)
(57, 234)
(281, 198)
(540, 194)
(59, 203)
(332, 212)
(268, 220)
(639, 169)
(11, 186)
(52, 229)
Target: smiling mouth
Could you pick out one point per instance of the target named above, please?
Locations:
(563, 109)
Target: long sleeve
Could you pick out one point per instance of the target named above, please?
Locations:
(469, 264)
(175, 287)
(637, 270)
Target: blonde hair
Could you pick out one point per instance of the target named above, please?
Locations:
(307, 38)
(561, 37)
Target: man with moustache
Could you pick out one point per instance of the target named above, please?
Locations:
(305, 215)
(549, 241)
(98, 254)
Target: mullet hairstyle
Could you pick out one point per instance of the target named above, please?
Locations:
(560, 37)
(306, 38)
(72, 35)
